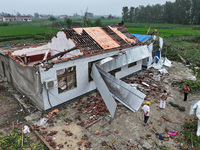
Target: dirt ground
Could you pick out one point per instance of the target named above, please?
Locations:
(73, 127)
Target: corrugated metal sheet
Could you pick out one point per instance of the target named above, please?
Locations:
(104, 91)
(130, 96)
(106, 83)
(128, 56)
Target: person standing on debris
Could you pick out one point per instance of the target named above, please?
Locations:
(163, 99)
(186, 90)
(146, 111)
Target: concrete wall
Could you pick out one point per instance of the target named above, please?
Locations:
(27, 80)
(126, 71)
(4, 67)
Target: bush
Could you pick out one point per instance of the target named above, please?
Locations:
(4, 24)
(14, 141)
(38, 37)
(57, 24)
(193, 85)
(68, 22)
(189, 132)
(12, 38)
(49, 35)
(77, 24)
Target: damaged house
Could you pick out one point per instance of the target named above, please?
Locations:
(64, 69)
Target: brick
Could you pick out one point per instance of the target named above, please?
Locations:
(116, 131)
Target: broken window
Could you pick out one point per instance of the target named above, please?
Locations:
(132, 64)
(113, 72)
(66, 79)
(90, 69)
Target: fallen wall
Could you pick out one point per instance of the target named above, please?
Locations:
(27, 80)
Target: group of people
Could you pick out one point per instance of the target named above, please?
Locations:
(146, 108)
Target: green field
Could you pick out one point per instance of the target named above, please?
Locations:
(6, 31)
(165, 32)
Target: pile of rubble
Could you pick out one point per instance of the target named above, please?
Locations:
(88, 111)
(149, 83)
(84, 123)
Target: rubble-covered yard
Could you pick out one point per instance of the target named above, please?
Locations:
(84, 123)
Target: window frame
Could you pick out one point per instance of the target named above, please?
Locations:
(132, 64)
(90, 69)
(67, 75)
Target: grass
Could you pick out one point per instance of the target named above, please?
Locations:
(165, 32)
(160, 26)
(6, 31)
(189, 133)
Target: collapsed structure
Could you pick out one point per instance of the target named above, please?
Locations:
(59, 71)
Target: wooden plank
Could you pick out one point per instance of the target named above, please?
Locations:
(93, 123)
(41, 138)
(183, 60)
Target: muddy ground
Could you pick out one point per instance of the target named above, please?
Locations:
(85, 123)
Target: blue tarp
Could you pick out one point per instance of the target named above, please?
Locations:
(141, 37)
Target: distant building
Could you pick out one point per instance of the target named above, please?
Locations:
(76, 15)
(15, 18)
(89, 15)
(1, 18)
(25, 18)
(62, 16)
(9, 18)
(44, 16)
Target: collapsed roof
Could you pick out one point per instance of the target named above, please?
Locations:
(71, 43)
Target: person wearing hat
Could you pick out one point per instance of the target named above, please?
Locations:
(146, 111)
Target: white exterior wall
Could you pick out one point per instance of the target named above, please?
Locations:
(60, 42)
(83, 84)
(126, 71)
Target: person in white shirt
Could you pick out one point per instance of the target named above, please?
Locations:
(163, 99)
(146, 111)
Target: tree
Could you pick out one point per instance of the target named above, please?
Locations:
(148, 13)
(98, 22)
(18, 14)
(36, 15)
(157, 13)
(110, 17)
(68, 22)
(131, 14)
(5, 14)
(168, 12)
(52, 18)
(195, 13)
(86, 21)
(182, 11)
(125, 14)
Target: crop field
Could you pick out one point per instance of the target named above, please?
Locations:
(165, 32)
(6, 31)
(160, 26)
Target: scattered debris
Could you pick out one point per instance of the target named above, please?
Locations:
(26, 129)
